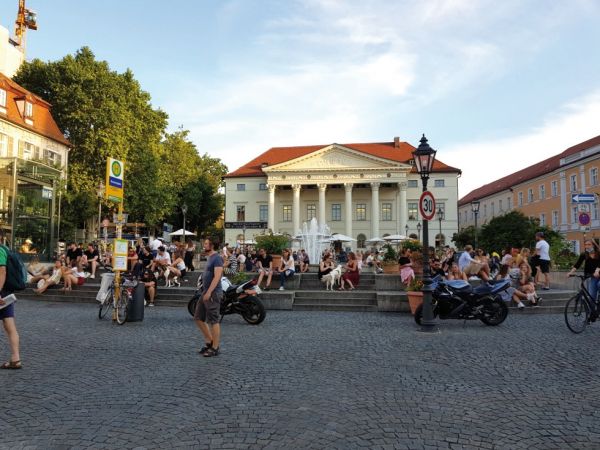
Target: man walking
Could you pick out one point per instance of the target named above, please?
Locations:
(542, 250)
(7, 316)
(207, 310)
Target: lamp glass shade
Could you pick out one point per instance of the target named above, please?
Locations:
(424, 157)
(184, 208)
(419, 226)
(475, 206)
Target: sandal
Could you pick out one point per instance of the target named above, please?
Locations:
(211, 352)
(12, 365)
(206, 347)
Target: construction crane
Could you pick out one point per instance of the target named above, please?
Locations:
(26, 19)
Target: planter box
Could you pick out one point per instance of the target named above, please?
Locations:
(385, 282)
(415, 299)
(392, 302)
(391, 269)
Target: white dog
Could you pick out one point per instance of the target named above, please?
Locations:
(332, 278)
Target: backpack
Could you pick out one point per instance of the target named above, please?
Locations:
(16, 274)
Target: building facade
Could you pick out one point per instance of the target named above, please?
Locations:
(360, 190)
(544, 191)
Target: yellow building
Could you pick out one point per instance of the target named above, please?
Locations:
(545, 191)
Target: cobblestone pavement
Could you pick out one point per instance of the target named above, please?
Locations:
(299, 380)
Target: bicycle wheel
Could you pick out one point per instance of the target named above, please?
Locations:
(577, 313)
(122, 307)
(106, 305)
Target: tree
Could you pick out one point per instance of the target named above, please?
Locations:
(464, 237)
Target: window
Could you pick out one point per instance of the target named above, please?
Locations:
(360, 240)
(241, 187)
(509, 203)
(520, 196)
(27, 150)
(386, 211)
(413, 183)
(554, 188)
(287, 213)
(241, 213)
(263, 213)
(413, 211)
(3, 145)
(574, 220)
(311, 211)
(361, 211)
(573, 183)
(499, 205)
(484, 210)
(493, 209)
(555, 219)
(438, 183)
(336, 212)
(542, 220)
(28, 110)
(441, 206)
(262, 187)
(52, 157)
(593, 176)
(542, 191)
(3, 98)
(529, 195)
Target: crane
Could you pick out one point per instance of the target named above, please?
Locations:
(26, 19)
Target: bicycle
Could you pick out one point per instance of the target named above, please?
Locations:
(581, 309)
(120, 295)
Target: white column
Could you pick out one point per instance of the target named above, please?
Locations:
(375, 210)
(402, 209)
(271, 217)
(322, 204)
(348, 208)
(296, 209)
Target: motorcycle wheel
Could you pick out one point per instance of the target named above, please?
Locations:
(254, 311)
(494, 312)
(192, 305)
(419, 313)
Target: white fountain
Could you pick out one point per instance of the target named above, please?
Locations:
(314, 238)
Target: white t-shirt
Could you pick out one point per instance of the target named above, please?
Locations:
(155, 244)
(543, 249)
(164, 257)
(241, 258)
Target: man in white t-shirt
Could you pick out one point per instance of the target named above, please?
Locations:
(542, 249)
(161, 262)
(154, 244)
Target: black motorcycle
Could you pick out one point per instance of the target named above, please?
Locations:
(459, 300)
(241, 299)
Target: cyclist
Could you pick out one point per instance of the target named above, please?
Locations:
(591, 268)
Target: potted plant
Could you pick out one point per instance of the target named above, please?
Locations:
(415, 294)
(273, 244)
(390, 260)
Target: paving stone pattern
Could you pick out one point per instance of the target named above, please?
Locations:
(299, 380)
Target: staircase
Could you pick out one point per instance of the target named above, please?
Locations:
(322, 300)
(553, 302)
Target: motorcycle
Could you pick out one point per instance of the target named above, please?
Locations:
(241, 299)
(457, 299)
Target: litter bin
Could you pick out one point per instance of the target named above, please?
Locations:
(135, 308)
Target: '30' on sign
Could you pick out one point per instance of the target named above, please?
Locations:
(427, 205)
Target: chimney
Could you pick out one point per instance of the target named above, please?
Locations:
(396, 142)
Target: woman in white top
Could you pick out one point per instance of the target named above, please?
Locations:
(178, 267)
(51, 280)
(74, 275)
(286, 268)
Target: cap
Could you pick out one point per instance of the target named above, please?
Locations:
(28, 241)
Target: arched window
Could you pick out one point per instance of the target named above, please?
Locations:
(413, 236)
(440, 240)
(361, 238)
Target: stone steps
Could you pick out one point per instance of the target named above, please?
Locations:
(336, 307)
(335, 301)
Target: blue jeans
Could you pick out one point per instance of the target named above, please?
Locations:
(285, 275)
(592, 286)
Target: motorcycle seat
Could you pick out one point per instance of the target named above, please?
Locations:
(231, 288)
(483, 289)
(459, 286)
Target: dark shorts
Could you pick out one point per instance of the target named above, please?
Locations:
(7, 312)
(544, 265)
(209, 311)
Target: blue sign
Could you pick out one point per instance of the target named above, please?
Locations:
(583, 198)
(116, 182)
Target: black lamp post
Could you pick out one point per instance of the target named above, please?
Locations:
(419, 230)
(406, 229)
(475, 208)
(440, 214)
(184, 211)
(424, 157)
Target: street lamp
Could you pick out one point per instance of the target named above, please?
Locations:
(100, 195)
(406, 229)
(424, 156)
(419, 230)
(475, 208)
(184, 211)
(440, 213)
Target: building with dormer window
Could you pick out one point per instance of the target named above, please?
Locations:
(363, 190)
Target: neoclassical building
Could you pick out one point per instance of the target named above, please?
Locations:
(362, 190)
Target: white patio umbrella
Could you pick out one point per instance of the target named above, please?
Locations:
(396, 237)
(375, 240)
(249, 242)
(181, 231)
(341, 237)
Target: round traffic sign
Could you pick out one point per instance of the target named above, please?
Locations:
(427, 205)
(584, 219)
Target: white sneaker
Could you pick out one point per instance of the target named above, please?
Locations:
(282, 288)
(521, 306)
(92, 276)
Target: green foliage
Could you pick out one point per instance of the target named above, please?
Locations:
(413, 245)
(464, 237)
(240, 277)
(104, 113)
(272, 243)
(390, 254)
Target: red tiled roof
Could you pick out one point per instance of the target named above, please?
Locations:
(528, 173)
(43, 122)
(386, 150)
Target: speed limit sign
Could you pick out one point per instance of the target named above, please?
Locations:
(427, 205)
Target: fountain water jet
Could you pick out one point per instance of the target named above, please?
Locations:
(313, 239)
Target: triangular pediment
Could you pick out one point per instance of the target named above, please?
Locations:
(336, 157)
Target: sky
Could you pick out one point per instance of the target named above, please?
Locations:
(494, 85)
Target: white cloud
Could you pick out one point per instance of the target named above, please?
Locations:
(484, 161)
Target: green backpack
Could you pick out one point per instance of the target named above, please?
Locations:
(16, 274)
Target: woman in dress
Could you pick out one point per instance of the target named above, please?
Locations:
(325, 266)
(351, 276)
(407, 273)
